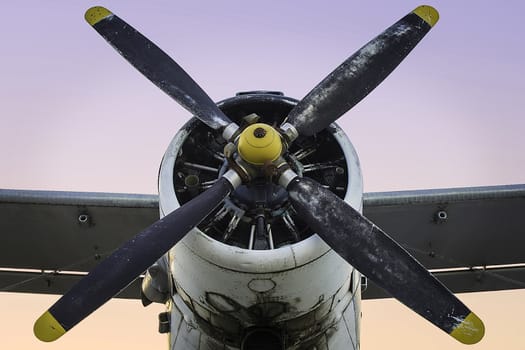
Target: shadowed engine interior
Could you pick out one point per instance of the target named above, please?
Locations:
(258, 214)
(262, 339)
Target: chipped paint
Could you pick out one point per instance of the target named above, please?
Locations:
(376, 255)
(158, 67)
(356, 77)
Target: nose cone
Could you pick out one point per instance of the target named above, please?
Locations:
(259, 143)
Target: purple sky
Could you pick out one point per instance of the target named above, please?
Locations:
(76, 116)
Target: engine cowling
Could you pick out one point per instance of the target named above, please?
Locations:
(236, 276)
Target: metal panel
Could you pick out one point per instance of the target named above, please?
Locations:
(41, 229)
(468, 281)
(483, 227)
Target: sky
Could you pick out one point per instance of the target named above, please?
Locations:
(77, 117)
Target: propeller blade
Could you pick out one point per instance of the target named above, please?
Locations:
(125, 264)
(156, 65)
(361, 73)
(372, 252)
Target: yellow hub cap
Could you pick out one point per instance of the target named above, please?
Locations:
(259, 143)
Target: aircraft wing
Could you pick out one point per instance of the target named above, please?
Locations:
(50, 239)
(471, 238)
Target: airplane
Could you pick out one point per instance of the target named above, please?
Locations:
(262, 233)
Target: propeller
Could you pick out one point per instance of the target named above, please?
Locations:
(351, 235)
(158, 67)
(372, 252)
(360, 73)
(130, 260)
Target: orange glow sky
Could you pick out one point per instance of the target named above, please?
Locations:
(75, 116)
(386, 325)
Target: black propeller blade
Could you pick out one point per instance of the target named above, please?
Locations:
(125, 264)
(361, 73)
(157, 66)
(377, 256)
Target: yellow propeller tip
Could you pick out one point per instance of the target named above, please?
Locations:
(47, 328)
(469, 331)
(96, 14)
(428, 14)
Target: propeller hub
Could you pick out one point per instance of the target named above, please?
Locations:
(259, 143)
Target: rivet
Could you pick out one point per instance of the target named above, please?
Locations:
(441, 216)
(83, 218)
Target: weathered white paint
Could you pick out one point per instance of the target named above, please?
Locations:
(215, 280)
